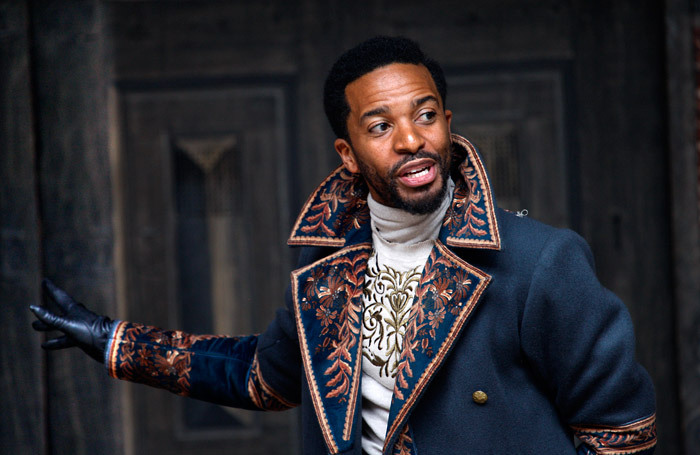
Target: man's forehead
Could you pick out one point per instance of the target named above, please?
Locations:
(392, 81)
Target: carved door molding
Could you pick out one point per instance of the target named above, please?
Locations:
(205, 219)
(516, 116)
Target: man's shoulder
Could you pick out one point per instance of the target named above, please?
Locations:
(525, 237)
(521, 225)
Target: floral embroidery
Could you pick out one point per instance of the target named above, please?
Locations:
(330, 198)
(461, 287)
(622, 440)
(155, 357)
(336, 208)
(435, 318)
(329, 325)
(465, 210)
(432, 295)
(470, 220)
(441, 290)
(310, 287)
(348, 324)
(388, 296)
(354, 219)
(163, 359)
(326, 316)
(329, 293)
(404, 443)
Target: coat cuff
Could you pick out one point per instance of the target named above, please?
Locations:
(110, 342)
(637, 438)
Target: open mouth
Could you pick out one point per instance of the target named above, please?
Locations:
(419, 174)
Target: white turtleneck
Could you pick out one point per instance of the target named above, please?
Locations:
(402, 243)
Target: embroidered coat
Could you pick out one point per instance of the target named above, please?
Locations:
(513, 346)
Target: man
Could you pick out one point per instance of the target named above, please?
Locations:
(422, 319)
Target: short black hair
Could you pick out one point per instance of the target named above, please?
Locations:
(364, 58)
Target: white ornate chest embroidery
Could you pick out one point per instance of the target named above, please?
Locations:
(388, 296)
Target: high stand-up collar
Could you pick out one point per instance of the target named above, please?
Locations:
(337, 214)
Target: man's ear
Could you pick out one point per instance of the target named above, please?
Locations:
(346, 153)
(448, 117)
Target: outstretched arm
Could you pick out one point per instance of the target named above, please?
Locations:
(253, 372)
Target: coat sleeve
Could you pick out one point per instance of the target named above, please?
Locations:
(262, 372)
(579, 339)
(252, 372)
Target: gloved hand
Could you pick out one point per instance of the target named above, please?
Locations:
(81, 327)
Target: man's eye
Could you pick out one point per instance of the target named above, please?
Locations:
(427, 116)
(379, 127)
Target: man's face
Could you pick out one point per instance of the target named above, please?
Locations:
(399, 137)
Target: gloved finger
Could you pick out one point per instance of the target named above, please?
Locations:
(41, 326)
(58, 343)
(48, 317)
(58, 295)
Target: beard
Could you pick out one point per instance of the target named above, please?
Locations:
(387, 187)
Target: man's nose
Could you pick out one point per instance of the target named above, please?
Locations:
(407, 138)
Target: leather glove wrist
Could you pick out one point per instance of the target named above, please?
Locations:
(80, 326)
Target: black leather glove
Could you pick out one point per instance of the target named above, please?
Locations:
(81, 327)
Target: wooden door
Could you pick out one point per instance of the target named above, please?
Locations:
(515, 117)
(207, 209)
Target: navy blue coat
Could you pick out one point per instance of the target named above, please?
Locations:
(513, 346)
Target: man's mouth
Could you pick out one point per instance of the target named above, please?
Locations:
(417, 174)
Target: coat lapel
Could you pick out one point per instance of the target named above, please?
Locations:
(470, 221)
(447, 294)
(328, 308)
(336, 214)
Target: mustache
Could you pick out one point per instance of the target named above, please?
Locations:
(420, 154)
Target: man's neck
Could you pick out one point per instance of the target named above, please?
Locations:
(399, 226)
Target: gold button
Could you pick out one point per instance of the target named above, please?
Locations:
(480, 397)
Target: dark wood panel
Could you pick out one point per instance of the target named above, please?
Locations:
(22, 423)
(515, 117)
(76, 212)
(207, 192)
(457, 32)
(193, 38)
(624, 179)
(684, 176)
